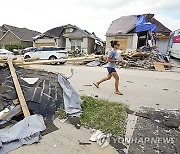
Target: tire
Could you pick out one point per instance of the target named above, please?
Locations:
(26, 57)
(53, 58)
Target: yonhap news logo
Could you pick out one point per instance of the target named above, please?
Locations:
(104, 140)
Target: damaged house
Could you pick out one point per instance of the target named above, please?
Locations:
(71, 38)
(12, 35)
(133, 32)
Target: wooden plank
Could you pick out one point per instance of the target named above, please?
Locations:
(165, 64)
(123, 43)
(18, 90)
(162, 37)
(159, 67)
(21, 61)
(57, 60)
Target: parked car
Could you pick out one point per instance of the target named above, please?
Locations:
(174, 44)
(47, 53)
(29, 49)
(6, 54)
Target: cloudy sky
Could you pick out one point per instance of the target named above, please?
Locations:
(92, 15)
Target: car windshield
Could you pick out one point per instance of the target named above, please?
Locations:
(50, 48)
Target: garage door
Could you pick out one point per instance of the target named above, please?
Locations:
(37, 45)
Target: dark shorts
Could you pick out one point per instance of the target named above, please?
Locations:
(110, 70)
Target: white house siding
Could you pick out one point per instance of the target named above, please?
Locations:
(162, 45)
(68, 44)
(61, 42)
(134, 41)
(108, 45)
(129, 43)
(84, 45)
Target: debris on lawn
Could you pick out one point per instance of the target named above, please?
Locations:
(26, 131)
(39, 95)
(147, 59)
(84, 143)
(72, 100)
(94, 63)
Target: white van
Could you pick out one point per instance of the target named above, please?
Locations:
(174, 44)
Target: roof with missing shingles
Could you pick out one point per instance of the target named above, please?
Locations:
(126, 24)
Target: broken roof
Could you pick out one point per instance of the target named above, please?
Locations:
(126, 24)
(122, 25)
(60, 31)
(23, 33)
(1, 33)
(78, 33)
(55, 32)
(160, 27)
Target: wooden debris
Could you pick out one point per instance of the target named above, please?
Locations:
(18, 90)
(3, 65)
(15, 102)
(31, 59)
(57, 60)
(146, 60)
(159, 66)
(19, 61)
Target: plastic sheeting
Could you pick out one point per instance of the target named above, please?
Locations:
(7, 147)
(146, 27)
(140, 20)
(142, 25)
(26, 131)
(72, 101)
(26, 127)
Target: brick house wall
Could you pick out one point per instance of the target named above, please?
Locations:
(10, 38)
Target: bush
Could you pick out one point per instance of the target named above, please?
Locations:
(17, 46)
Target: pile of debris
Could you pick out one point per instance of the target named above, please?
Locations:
(147, 59)
(35, 95)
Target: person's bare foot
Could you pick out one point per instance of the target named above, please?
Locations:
(96, 85)
(118, 93)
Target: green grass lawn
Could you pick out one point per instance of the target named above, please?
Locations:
(109, 117)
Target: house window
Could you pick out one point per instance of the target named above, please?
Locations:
(75, 44)
(69, 30)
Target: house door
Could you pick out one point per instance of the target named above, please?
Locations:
(142, 39)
